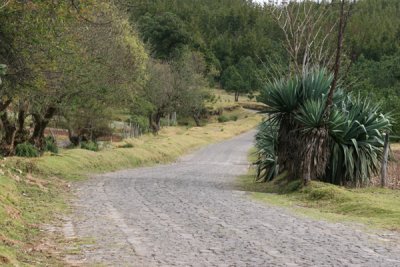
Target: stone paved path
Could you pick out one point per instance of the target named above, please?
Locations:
(188, 214)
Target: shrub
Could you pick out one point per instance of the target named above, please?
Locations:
(50, 145)
(223, 118)
(26, 150)
(234, 118)
(90, 145)
(344, 148)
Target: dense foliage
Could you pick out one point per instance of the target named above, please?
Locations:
(77, 64)
(229, 33)
(236, 37)
(64, 61)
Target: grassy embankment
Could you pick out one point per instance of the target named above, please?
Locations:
(228, 100)
(375, 207)
(32, 191)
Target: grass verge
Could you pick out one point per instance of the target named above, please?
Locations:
(374, 207)
(32, 191)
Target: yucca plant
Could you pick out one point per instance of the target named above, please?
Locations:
(357, 134)
(343, 146)
(266, 145)
(284, 99)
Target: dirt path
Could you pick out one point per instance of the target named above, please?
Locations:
(187, 214)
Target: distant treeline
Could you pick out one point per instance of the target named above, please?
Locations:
(242, 42)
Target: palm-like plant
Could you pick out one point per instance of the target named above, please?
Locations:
(344, 147)
(266, 145)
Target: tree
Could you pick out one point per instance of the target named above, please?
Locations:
(232, 81)
(190, 72)
(160, 92)
(176, 87)
(249, 73)
(64, 57)
(166, 34)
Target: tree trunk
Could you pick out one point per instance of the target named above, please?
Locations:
(22, 134)
(154, 121)
(336, 68)
(196, 120)
(73, 138)
(236, 96)
(41, 123)
(7, 144)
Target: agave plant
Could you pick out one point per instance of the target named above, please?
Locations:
(344, 147)
(357, 147)
(284, 99)
(266, 145)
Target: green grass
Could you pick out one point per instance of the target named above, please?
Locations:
(34, 190)
(24, 202)
(373, 207)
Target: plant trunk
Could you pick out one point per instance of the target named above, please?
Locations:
(154, 121)
(196, 120)
(303, 156)
(7, 143)
(22, 134)
(314, 154)
(41, 123)
(339, 47)
(236, 96)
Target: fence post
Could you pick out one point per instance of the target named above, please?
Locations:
(385, 160)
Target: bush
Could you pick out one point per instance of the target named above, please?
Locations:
(234, 118)
(26, 150)
(50, 145)
(223, 118)
(345, 148)
(90, 145)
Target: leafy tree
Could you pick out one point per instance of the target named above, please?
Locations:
(374, 29)
(176, 87)
(232, 81)
(189, 72)
(61, 57)
(160, 92)
(249, 73)
(223, 31)
(166, 34)
(379, 80)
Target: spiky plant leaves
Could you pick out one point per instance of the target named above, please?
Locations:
(315, 85)
(311, 115)
(266, 145)
(345, 148)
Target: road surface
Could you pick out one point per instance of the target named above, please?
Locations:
(189, 214)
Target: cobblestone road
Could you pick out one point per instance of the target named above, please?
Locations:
(188, 214)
